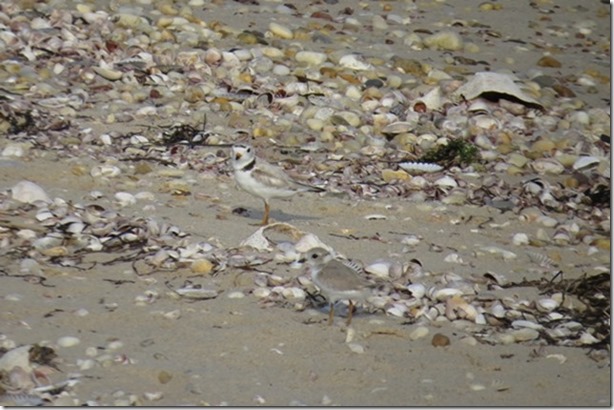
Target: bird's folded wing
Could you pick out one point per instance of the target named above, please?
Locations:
(271, 176)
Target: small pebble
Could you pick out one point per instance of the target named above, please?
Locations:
(68, 341)
(440, 340)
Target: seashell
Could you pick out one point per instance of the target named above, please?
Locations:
(125, 199)
(518, 324)
(172, 315)
(458, 308)
(44, 215)
(489, 83)
(398, 127)
(444, 40)
(446, 182)
(525, 334)
(546, 305)
(29, 192)
(496, 250)
(443, 294)
(68, 341)
(373, 217)
(310, 241)
(498, 310)
(108, 73)
(311, 58)
(420, 167)
(196, 292)
(557, 356)
(353, 62)
(547, 166)
(398, 310)
(13, 150)
(380, 268)
(153, 396)
(479, 106)
(411, 240)
(417, 290)
(520, 239)
(201, 266)
(585, 162)
(547, 221)
(453, 258)
(498, 278)
(281, 31)
(294, 293)
(356, 348)
(237, 294)
(587, 339)
(17, 357)
(108, 171)
(433, 100)
(419, 333)
(261, 293)
(47, 242)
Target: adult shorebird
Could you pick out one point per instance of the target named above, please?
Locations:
(264, 180)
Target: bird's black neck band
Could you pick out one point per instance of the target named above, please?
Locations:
(250, 165)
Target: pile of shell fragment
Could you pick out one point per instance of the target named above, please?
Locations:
(365, 123)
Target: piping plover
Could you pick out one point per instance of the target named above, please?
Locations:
(261, 179)
(337, 280)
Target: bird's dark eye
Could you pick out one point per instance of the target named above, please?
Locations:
(314, 256)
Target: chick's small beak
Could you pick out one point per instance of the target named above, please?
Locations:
(237, 156)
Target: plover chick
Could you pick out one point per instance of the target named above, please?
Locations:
(337, 280)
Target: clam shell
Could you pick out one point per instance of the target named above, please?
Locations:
(479, 106)
(398, 127)
(585, 162)
(546, 305)
(420, 167)
(29, 192)
(19, 356)
(417, 290)
(380, 268)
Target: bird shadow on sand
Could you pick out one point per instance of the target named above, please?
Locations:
(256, 215)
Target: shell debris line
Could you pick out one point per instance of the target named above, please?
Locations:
(143, 100)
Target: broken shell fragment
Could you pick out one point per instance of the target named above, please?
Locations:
(493, 84)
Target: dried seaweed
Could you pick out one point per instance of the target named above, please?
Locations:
(456, 152)
(592, 291)
(186, 134)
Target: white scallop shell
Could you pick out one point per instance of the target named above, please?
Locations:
(420, 167)
(29, 192)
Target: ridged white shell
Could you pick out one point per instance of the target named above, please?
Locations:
(29, 192)
(420, 167)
